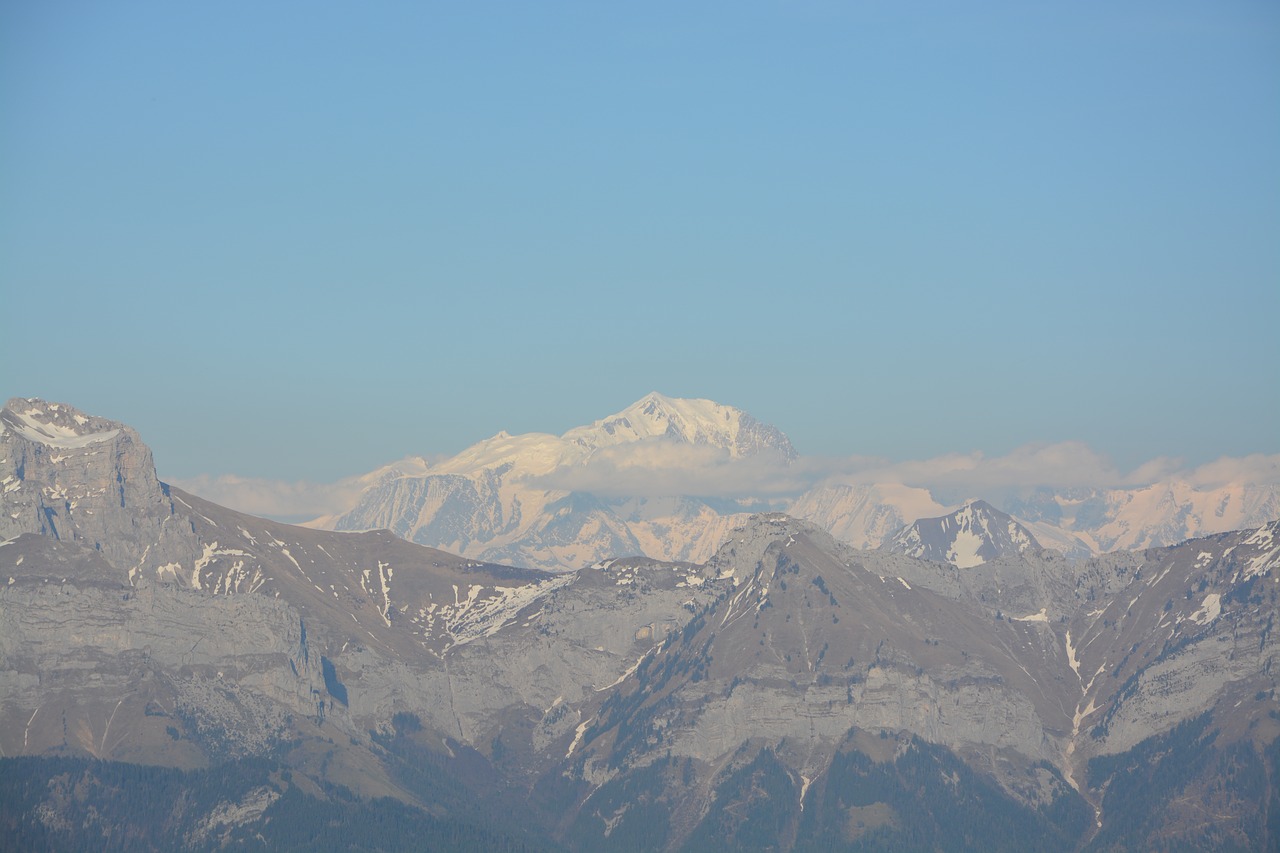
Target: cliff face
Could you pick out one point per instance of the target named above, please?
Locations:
(149, 672)
(83, 479)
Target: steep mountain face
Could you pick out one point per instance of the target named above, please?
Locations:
(972, 535)
(790, 692)
(66, 475)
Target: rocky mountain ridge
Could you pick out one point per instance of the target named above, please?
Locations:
(791, 688)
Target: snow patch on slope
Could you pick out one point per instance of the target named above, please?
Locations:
(27, 424)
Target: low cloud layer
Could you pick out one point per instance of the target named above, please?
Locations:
(1062, 465)
(284, 501)
(666, 468)
(1065, 465)
(1256, 469)
(660, 468)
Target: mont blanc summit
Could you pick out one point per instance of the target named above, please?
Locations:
(701, 423)
(549, 501)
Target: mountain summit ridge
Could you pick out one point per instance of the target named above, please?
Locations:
(697, 422)
(55, 424)
(972, 535)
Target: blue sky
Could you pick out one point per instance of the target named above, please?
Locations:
(298, 241)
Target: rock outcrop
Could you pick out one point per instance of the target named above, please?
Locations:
(972, 535)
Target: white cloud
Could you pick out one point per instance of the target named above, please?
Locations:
(1063, 464)
(657, 468)
(298, 500)
(283, 501)
(1258, 470)
(1069, 464)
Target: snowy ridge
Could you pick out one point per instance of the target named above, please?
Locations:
(865, 516)
(1152, 516)
(475, 614)
(53, 424)
(655, 417)
(972, 535)
(1266, 556)
(697, 422)
(529, 455)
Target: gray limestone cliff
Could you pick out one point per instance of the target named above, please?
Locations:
(83, 479)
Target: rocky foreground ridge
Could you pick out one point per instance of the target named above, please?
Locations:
(790, 690)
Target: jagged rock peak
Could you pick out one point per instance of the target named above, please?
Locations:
(693, 421)
(972, 535)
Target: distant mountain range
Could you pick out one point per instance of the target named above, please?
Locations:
(357, 691)
(651, 481)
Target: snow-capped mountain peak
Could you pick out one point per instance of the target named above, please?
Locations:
(972, 535)
(690, 421)
(530, 454)
(519, 498)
